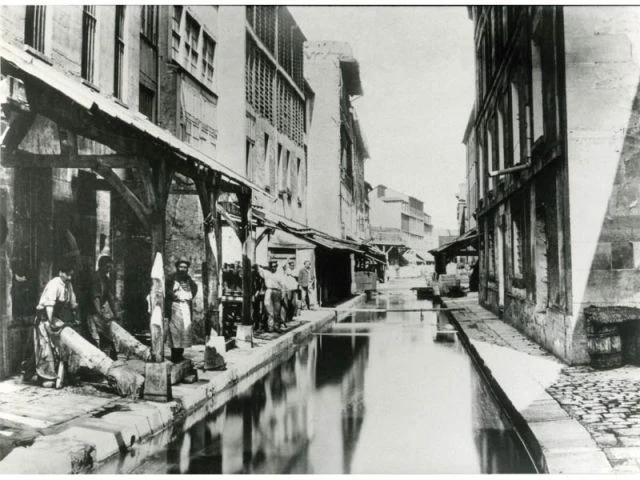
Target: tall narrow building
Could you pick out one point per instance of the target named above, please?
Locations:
(262, 113)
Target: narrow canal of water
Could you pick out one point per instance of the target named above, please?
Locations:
(388, 399)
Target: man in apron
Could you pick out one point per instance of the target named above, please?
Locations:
(56, 309)
(180, 290)
(102, 307)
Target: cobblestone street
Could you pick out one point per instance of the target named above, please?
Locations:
(606, 403)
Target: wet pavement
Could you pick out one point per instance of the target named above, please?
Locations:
(378, 395)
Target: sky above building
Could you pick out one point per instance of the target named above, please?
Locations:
(417, 70)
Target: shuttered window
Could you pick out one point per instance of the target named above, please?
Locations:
(34, 26)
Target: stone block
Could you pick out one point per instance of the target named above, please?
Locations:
(180, 370)
(157, 381)
(105, 443)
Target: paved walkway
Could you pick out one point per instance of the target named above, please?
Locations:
(70, 430)
(585, 420)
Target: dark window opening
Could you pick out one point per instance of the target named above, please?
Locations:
(118, 71)
(147, 104)
(148, 24)
(34, 26)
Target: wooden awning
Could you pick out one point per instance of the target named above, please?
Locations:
(465, 244)
(86, 112)
(316, 237)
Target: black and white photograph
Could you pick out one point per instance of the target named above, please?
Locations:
(319, 239)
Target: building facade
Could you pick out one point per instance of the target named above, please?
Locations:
(110, 147)
(399, 223)
(337, 147)
(337, 154)
(58, 214)
(555, 125)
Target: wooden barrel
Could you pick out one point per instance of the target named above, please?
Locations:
(605, 346)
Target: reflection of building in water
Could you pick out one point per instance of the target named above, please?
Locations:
(339, 409)
(199, 450)
(267, 428)
(499, 449)
(353, 407)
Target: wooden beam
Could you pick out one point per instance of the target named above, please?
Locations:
(230, 221)
(50, 103)
(163, 176)
(144, 172)
(18, 127)
(140, 209)
(265, 232)
(208, 188)
(34, 160)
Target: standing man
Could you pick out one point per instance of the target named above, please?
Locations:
(180, 290)
(290, 290)
(56, 309)
(273, 294)
(102, 307)
(258, 289)
(306, 280)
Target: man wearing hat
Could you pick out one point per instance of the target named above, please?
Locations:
(180, 290)
(273, 294)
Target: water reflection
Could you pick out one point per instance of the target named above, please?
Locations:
(388, 401)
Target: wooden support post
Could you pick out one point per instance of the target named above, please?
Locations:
(248, 252)
(208, 191)
(157, 372)
(265, 233)
(244, 334)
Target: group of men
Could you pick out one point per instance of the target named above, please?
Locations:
(277, 293)
(58, 308)
(232, 278)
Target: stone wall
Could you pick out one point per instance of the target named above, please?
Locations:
(603, 123)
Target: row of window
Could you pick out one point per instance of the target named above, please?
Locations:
(522, 112)
(195, 51)
(259, 73)
(532, 229)
(286, 174)
(287, 110)
(266, 22)
(35, 37)
(191, 46)
(290, 111)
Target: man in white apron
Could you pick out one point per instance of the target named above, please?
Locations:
(180, 291)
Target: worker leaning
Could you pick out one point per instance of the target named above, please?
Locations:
(56, 309)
